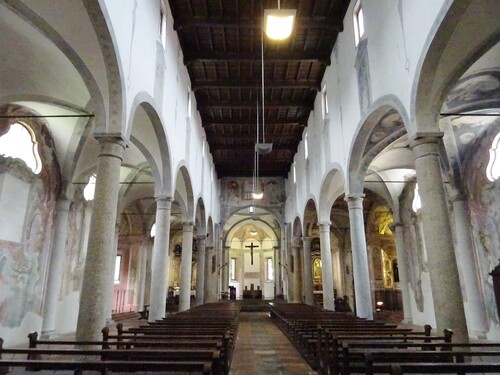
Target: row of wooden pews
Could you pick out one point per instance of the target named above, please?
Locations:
(197, 341)
(340, 343)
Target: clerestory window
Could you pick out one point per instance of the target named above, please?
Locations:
(359, 23)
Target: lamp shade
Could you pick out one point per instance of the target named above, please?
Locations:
(257, 194)
(278, 23)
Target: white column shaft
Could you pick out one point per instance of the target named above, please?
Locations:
(403, 271)
(160, 259)
(326, 266)
(362, 289)
(308, 281)
(200, 271)
(186, 266)
(142, 274)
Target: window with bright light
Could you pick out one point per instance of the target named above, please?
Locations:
(294, 172)
(152, 233)
(118, 263)
(359, 23)
(306, 146)
(269, 269)
(493, 168)
(89, 190)
(324, 103)
(203, 148)
(163, 25)
(189, 104)
(20, 143)
(232, 269)
(416, 204)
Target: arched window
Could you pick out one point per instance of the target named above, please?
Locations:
(417, 204)
(20, 142)
(89, 190)
(493, 167)
(152, 233)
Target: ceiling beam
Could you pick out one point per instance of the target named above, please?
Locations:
(255, 83)
(274, 104)
(233, 148)
(312, 57)
(252, 121)
(215, 140)
(330, 24)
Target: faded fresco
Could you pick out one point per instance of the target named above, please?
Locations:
(483, 197)
(23, 264)
(237, 193)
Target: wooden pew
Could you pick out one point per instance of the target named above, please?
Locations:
(172, 351)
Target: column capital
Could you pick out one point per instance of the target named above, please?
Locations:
(354, 201)
(423, 144)
(187, 226)
(163, 202)
(63, 204)
(396, 225)
(111, 138)
(324, 226)
(306, 239)
(425, 137)
(112, 144)
(201, 237)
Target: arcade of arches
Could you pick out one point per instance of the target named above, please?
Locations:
(392, 195)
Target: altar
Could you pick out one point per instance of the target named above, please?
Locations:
(252, 293)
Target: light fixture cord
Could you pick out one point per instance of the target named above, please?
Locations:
(262, 55)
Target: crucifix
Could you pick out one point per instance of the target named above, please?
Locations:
(251, 247)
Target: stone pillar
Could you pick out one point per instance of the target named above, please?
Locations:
(326, 266)
(362, 289)
(296, 294)
(211, 282)
(99, 262)
(225, 269)
(55, 268)
(186, 266)
(442, 264)
(308, 281)
(160, 259)
(277, 272)
(403, 271)
(200, 271)
(464, 249)
(142, 274)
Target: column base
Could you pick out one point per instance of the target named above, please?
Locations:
(407, 321)
(45, 335)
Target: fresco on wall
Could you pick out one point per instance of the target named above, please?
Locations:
(237, 193)
(483, 198)
(23, 265)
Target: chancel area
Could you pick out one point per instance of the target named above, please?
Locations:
(176, 167)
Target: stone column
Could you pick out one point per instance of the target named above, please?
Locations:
(55, 268)
(296, 294)
(277, 272)
(442, 264)
(403, 271)
(362, 289)
(142, 274)
(211, 282)
(225, 269)
(186, 266)
(160, 259)
(99, 262)
(111, 281)
(464, 249)
(326, 266)
(308, 281)
(200, 271)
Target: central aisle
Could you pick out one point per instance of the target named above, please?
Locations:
(261, 349)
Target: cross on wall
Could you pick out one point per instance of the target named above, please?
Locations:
(251, 247)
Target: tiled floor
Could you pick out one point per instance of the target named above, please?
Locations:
(262, 349)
